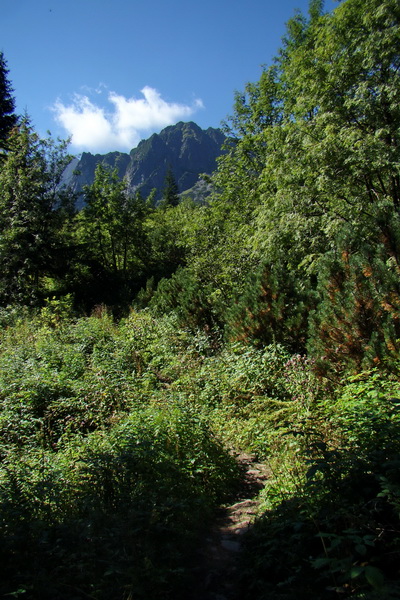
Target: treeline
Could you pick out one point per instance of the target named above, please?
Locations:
(103, 253)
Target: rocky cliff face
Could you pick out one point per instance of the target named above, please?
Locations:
(185, 148)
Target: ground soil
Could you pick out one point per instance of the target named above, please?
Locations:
(217, 572)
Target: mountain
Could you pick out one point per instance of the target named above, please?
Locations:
(184, 148)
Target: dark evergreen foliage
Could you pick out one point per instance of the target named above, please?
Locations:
(32, 214)
(271, 309)
(191, 299)
(170, 192)
(8, 119)
(357, 323)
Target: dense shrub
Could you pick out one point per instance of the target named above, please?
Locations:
(114, 447)
(331, 522)
(114, 512)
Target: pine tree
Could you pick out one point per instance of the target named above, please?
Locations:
(272, 308)
(357, 323)
(8, 119)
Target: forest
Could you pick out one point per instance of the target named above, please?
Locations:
(143, 343)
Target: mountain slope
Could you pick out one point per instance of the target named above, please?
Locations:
(185, 148)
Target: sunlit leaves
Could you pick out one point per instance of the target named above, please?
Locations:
(31, 204)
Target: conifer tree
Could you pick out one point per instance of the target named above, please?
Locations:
(272, 308)
(8, 119)
(357, 323)
(30, 204)
(170, 195)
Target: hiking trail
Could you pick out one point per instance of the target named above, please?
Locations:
(216, 575)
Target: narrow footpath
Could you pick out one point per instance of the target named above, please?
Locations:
(218, 567)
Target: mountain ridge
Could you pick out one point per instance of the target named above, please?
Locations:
(185, 148)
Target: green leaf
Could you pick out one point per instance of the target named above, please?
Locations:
(318, 563)
(374, 576)
(356, 571)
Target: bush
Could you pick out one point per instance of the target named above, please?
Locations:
(117, 512)
(332, 520)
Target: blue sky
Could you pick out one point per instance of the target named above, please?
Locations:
(111, 72)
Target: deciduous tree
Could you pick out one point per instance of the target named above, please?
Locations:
(112, 232)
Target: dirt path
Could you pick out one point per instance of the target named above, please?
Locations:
(218, 565)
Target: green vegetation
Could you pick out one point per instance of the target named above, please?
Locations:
(8, 119)
(106, 477)
(140, 343)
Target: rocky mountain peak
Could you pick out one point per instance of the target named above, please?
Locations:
(185, 148)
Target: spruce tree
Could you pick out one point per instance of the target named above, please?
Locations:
(170, 196)
(8, 119)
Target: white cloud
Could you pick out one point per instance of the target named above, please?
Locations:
(91, 127)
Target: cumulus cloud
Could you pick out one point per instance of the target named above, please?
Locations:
(92, 127)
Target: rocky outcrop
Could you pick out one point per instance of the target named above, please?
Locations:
(185, 148)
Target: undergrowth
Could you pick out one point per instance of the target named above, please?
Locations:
(114, 444)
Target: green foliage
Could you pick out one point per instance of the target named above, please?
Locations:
(313, 155)
(30, 214)
(168, 228)
(115, 512)
(356, 324)
(107, 476)
(333, 501)
(110, 432)
(112, 241)
(191, 300)
(56, 310)
(170, 194)
(253, 396)
(273, 307)
(8, 119)
(111, 460)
